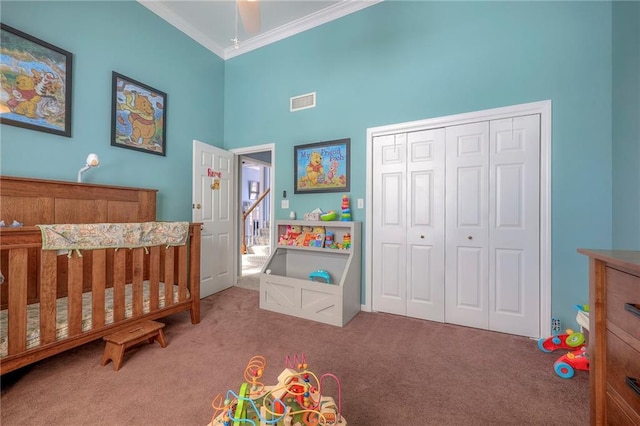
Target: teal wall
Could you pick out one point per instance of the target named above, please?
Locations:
(402, 61)
(626, 125)
(393, 62)
(125, 37)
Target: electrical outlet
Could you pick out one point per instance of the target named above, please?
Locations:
(284, 204)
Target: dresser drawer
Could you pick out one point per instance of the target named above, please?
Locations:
(623, 362)
(622, 289)
(619, 416)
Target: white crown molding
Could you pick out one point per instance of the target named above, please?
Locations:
(338, 10)
(182, 25)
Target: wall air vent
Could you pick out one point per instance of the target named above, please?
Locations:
(302, 102)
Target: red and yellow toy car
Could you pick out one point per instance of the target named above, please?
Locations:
(567, 365)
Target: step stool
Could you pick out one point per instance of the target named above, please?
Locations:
(118, 342)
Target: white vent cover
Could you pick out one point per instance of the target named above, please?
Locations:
(302, 102)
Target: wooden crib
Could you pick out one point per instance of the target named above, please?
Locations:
(52, 301)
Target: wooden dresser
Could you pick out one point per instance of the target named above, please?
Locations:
(614, 336)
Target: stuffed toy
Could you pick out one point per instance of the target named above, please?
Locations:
(305, 235)
(293, 233)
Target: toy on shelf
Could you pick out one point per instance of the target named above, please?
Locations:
(318, 234)
(570, 340)
(346, 210)
(296, 400)
(290, 236)
(320, 274)
(567, 364)
(328, 239)
(330, 215)
(346, 241)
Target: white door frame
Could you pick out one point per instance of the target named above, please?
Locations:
(544, 109)
(272, 178)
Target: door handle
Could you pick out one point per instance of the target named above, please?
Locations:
(469, 237)
(196, 206)
(422, 236)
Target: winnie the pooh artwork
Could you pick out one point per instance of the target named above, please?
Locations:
(322, 167)
(139, 116)
(35, 84)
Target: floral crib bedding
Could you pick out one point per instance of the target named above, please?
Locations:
(33, 314)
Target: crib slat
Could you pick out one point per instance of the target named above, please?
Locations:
(98, 285)
(119, 275)
(182, 273)
(74, 291)
(154, 277)
(17, 305)
(138, 275)
(48, 285)
(169, 278)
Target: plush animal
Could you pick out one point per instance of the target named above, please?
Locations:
(304, 235)
(293, 232)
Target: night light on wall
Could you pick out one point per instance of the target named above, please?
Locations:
(92, 161)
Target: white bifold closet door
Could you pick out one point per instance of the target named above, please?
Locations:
(492, 225)
(408, 223)
(456, 224)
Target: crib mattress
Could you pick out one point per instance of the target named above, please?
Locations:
(33, 315)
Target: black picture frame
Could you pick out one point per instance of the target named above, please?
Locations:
(37, 77)
(330, 174)
(138, 116)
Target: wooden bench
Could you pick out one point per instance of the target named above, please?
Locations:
(118, 342)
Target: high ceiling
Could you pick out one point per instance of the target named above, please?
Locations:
(212, 23)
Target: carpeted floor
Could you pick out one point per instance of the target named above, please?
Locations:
(249, 282)
(395, 371)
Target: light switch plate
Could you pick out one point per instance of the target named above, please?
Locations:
(360, 203)
(284, 204)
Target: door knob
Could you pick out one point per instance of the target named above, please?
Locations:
(422, 236)
(469, 237)
(196, 206)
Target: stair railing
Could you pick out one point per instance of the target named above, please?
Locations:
(243, 246)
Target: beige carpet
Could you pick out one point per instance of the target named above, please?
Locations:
(250, 282)
(395, 371)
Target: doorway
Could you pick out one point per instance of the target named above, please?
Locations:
(255, 177)
(440, 305)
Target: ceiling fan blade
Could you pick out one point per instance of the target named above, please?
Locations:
(250, 15)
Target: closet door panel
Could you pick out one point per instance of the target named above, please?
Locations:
(514, 250)
(389, 222)
(467, 225)
(425, 224)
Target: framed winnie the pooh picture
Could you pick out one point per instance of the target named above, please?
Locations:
(138, 116)
(35, 83)
(322, 167)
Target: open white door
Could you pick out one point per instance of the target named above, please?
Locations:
(213, 206)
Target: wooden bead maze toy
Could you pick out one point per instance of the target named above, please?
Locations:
(296, 400)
